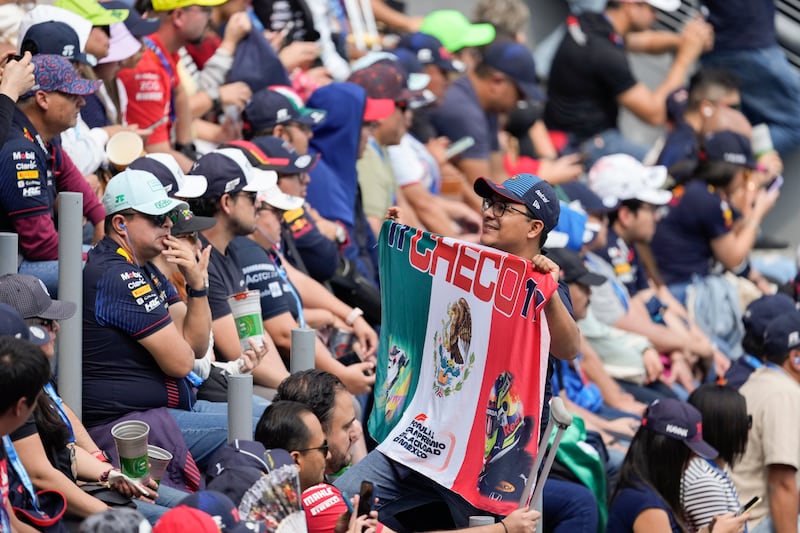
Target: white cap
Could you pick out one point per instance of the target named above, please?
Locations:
(46, 13)
(189, 185)
(277, 198)
(622, 177)
(141, 191)
(665, 5)
(257, 179)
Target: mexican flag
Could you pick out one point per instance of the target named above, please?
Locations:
(461, 365)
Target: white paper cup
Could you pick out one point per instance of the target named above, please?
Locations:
(123, 147)
(130, 438)
(159, 460)
(246, 309)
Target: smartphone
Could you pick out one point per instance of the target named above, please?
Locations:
(752, 503)
(775, 184)
(459, 147)
(365, 498)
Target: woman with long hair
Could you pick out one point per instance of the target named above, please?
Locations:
(706, 488)
(647, 499)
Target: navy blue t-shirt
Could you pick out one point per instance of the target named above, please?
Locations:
(319, 254)
(626, 262)
(742, 24)
(224, 280)
(630, 503)
(680, 146)
(682, 243)
(460, 115)
(123, 304)
(262, 273)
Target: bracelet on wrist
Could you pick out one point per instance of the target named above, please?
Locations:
(353, 315)
(505, 528)
(194, 293)
(104, 476)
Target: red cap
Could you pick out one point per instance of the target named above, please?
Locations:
(378, 109)
(323, 504)
(183, 518)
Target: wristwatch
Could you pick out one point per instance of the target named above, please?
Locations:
(192, 293)
(341, 234)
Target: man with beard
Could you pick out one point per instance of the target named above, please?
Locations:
(153, 86)
(231, 199)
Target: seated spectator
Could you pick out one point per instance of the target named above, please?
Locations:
(648, 494)
(295, 428)
(231, 198)
(126, 320)
(769, 466)
(24, 370)
(34, 158)
(702, 229)
(281, 301)
(327, 396)
(756, 318)
(279, 112)
(706, 489)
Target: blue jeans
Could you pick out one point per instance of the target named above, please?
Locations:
(47, 271)
(770, 89)
(205, 427)
(167, 499)
(568, 508)
(766, 525)
(400, 489)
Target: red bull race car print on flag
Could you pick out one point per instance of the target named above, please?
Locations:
(462, 363)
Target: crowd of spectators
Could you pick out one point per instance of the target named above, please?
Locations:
(223, 146)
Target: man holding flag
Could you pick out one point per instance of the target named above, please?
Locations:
(430, 384)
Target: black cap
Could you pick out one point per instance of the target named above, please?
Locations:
(572, 268)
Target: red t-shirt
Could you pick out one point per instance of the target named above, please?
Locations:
(149, 88)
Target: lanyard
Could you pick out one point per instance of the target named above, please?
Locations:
(48, 388)
(752, 362)
(22, 474)
(171, 73)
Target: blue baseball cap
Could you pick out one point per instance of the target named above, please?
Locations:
(729, 147)
(680, 421)
(762, 311)
(56, 73)
(428, 50)
(782, 334)
(228, 171)
(222, 509)
(531, 191)
(12, 325)
(138, 26)
(586, 198)
(515, 61)
(54, 37)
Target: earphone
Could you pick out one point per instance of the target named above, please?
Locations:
(707, 112)
(123, 226)
(797, 360)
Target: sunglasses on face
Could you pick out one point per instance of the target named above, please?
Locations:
(323, 449)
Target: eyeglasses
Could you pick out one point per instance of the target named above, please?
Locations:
(156, 220)
(323, 449)
(300, 176)
(248, 194)
(402, 105)
(499, 208)
(46, 323)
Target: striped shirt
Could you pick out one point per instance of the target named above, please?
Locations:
(706, 491)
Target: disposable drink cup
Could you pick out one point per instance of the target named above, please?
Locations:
(475, 521)
(761, 139)
(131, 440)
(159, 459)
(246, 309)
(123, 147)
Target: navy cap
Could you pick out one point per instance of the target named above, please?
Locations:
(532, 191)
(572, 268)
(681, 421)
(587, 199)
(169, 173)
(408, 60)
(763, 310)
(222, 509)
(53, 37)
(515, 61)
(782, 334)
(267, 108)
(428, 50)
(138, 26)
(12, 325)
(729, 147)
(282, 157)
(228, 171)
